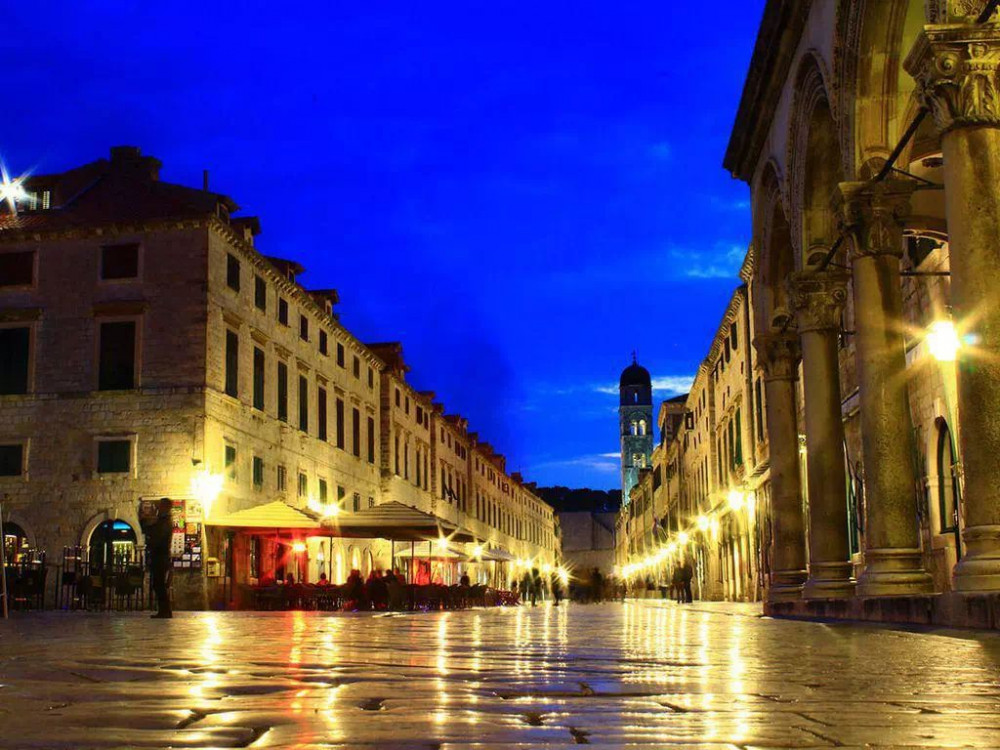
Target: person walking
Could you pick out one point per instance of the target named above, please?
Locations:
(596, 585)
(536, 586)
(686, 575)
(158, 531)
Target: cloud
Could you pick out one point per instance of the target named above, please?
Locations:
(662, 384)
(722, 262)
(600, 462)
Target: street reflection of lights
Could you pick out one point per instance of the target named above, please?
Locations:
(943, 341)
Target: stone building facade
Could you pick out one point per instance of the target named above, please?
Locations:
(863, 132)
(704, 497)
(148, 349)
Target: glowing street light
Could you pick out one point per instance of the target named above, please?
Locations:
(736, 500)
(682, 537)
(703, 523)
(442, 544)
(206, 487)
(299, 547)
(477, 551)
(11, 190)
(943, 341)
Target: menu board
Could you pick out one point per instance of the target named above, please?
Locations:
(185, 541)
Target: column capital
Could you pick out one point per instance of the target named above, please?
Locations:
(818, 298)
(779, 353)
(874, 215)
(957, 69)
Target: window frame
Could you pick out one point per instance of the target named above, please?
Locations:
(101, 279)
(101, 320)
(132, 441)
(29, 379)
(34, 269)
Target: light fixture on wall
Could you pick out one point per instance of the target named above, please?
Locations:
(943, 341)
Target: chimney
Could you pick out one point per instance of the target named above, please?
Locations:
(130, 158)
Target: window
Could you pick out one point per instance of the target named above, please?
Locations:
(371, 440)
(728, 351)
(340, 423)
(396, 454)
(233, 272)
(323, 345)
(282, 391)
(15, 345)
(260, 293)
(232, 364)
(258, 472)
(117, 356)
(356, 432)
(283, 311)
(229, 461)
(340, 354)
(114, 456)
(948, 487)
(120, 262)
(738, 441)
(759, 399)
(407, 409)
(303, 404)
(258, 378)
(321, 413)
(254, 557)
(418, 468)
(303, 328)
(371, 378)
(322, 490)
(303, 484)
(282, 478)
(17, 269)
(357, 501)
(733, 339)
(398, 399)
(357, 367)
(371, 501)
(420, 415)
(11, 460)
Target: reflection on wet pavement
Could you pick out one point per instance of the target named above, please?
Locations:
(612, 675)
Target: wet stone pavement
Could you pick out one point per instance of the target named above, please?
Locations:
(648, 674)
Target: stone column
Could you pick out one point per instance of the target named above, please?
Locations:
(873, 215)
(818, 298)
(780, 354)
(957, 68)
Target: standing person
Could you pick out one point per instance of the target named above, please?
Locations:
(677, 585)
(158, 531)
(536, 586)
(525, 587)
(686, 575)
(596, 585)
(555, 586)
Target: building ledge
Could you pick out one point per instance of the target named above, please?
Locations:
(951, 610)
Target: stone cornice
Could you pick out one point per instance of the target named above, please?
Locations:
(773, 55)
(957, 69)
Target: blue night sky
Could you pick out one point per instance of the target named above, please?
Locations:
(521, 193)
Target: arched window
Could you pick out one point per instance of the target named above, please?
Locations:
(634, 428)
(642, 426)
(948, 489)
(112, 546)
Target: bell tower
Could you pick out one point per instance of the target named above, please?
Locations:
(635, 422)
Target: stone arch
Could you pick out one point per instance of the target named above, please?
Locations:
(875, 39)
(815, 164)
(777, 259)
(129, 516)
(25, 525)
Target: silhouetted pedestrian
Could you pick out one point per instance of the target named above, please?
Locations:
(686, 575)
(158, 531)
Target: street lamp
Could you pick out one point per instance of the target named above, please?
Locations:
(943, 341)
